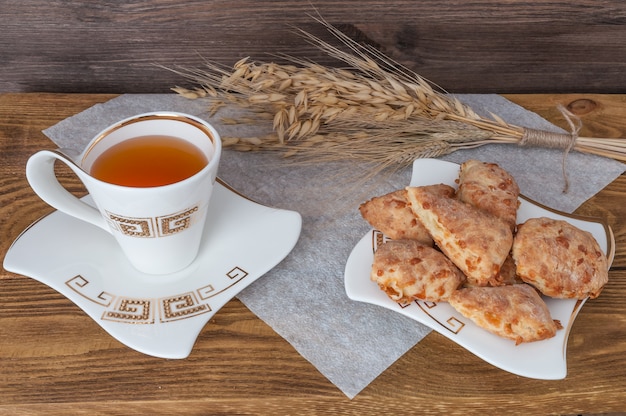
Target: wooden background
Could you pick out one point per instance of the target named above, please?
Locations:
(501, 46)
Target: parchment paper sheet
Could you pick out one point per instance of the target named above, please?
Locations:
(303, 298)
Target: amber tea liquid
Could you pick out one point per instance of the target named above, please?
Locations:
(149, 161)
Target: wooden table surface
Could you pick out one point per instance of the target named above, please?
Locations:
(56, 360)
(466, 46)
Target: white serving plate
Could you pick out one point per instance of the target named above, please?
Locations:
(157, 315)
(542, 359)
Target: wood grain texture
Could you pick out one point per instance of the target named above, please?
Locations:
(479, 46)
(57, 361)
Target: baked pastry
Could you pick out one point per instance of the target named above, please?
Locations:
(407, 270)
(559, 259)
(515, 312)
(490, 188)
(476, 242)
(508, 273)
(391, 215)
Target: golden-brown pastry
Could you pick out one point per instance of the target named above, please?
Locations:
(391, 215)
(407, 270)
(490, 188)
(508, 274)
(477, 242)
(515, 312)
(559, 259)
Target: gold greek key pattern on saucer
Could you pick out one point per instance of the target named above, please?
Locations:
(81, 286)
(132, 227)
(181, 306)
(206, 292)
(145, 310)
(237, 273)
(175, 223)
(129, 310)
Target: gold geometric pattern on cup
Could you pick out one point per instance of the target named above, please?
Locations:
(175, 223)
(129, 310)
(132, 227)
(181, 306)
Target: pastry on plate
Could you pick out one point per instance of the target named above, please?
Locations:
(515, 312)
(478, 243)
(559, 259)
(507, 274)
(490, 188)
(391, 215)
(407, 270)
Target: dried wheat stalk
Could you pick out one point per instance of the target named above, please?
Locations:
(376, 111)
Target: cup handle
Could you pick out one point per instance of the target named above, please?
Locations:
(41, 176)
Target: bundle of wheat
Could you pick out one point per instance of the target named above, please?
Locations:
(376, 110)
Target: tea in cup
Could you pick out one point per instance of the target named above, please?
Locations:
(150, 176)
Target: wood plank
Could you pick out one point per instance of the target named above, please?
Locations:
(479, 46)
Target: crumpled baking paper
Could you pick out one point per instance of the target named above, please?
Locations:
(303, 298)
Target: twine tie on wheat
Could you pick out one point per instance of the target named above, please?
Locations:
(565, 141)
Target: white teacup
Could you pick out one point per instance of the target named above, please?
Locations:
(158, 226)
